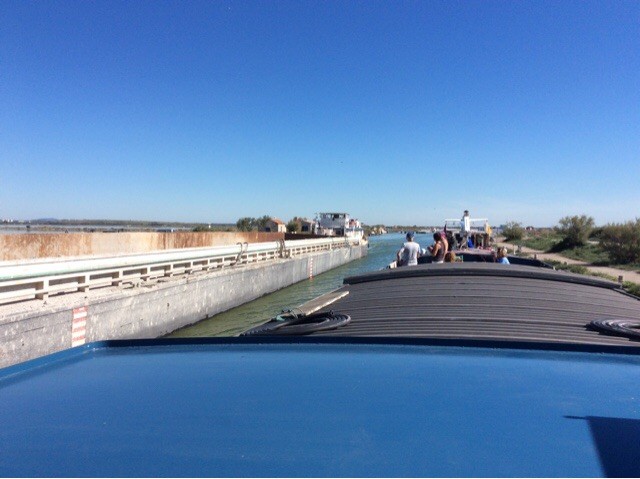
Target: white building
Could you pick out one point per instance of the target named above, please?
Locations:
(339, 224)
(275, 225)
(307, 226)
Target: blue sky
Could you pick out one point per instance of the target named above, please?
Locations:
(397, 112)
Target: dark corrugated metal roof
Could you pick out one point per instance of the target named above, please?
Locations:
(484, 301)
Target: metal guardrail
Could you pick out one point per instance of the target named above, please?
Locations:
(39, 279)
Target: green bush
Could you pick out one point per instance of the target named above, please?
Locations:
(632, 288)
(541, 241)
(293, 226)
(622, 241)
(261, 223)
(575, 230)
(245, 224)
(596, 232)
(249, 224)
(513, 231)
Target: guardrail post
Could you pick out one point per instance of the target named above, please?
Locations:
(42, 286)
(85, 284)
(117, 278)
(242, 250)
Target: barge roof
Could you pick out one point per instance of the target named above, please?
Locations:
(484, 301)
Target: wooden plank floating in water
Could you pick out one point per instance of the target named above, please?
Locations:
(323, 301)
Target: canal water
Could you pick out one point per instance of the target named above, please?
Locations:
(382, 251)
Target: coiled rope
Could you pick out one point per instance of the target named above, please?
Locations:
(290, 323)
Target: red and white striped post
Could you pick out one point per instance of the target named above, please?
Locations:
(79, 326)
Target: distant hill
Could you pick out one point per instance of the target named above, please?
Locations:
(121, 223)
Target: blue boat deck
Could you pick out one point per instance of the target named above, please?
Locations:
(319, 407)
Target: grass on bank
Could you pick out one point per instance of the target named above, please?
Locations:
(632, 288)
(628, 286)
(590, 253)
(541, 242)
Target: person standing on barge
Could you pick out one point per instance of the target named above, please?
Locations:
(465, 229)
(438, 249)
(409, 253)
(445, 241)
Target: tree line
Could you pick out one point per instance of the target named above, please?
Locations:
(255, 224)
(248, 223)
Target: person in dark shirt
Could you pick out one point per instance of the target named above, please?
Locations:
(438, 249)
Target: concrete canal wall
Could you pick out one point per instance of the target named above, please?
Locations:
(56, 245)
(155, 309)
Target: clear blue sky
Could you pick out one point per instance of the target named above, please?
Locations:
(396, 112)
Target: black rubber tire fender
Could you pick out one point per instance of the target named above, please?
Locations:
(300, 325)
(621, 327)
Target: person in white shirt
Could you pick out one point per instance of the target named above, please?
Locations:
(409, 253)
(465, 229)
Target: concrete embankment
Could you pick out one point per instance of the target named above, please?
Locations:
(35, 246)
(152, 309)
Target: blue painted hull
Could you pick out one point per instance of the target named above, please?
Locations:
(322, 408)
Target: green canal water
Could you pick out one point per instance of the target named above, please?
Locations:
(382, 250)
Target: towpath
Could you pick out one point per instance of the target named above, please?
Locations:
(615, 272)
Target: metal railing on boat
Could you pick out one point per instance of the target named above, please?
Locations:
(37, 279)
